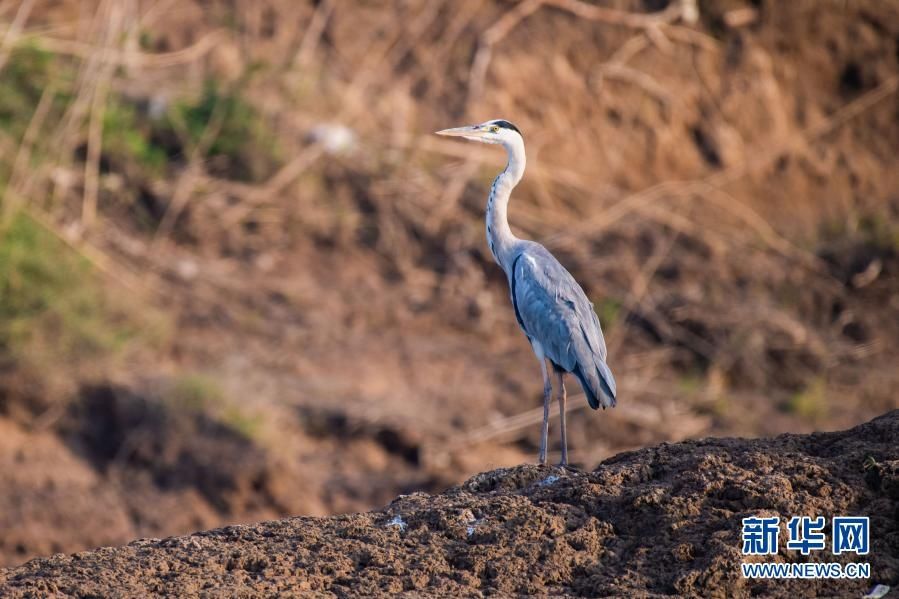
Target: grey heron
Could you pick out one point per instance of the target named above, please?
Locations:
(551, 308)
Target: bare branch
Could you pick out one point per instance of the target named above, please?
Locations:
(139, 59)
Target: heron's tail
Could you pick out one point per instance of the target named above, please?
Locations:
(598, 384)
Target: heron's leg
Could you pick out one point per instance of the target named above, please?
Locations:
(562, 396)
(547, 398)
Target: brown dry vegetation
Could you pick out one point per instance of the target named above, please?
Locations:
(207, 315)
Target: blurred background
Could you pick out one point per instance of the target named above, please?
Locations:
(240, 279)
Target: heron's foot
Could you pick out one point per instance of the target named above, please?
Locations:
(563, 463)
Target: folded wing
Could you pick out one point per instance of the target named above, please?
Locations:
(553, 309)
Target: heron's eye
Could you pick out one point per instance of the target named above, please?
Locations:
(495, 129)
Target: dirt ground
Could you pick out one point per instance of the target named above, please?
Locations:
(657, 522)
(726, 193)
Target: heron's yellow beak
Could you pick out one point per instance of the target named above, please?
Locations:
(470, 131)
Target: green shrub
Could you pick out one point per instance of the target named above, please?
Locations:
(22, 81)
(49, 297)
(128, 136)
(24, 78)
(194, 391)
(241, 145)
(608, 310)
(59, 326)
(811, 402)
(244, 147)
(200, 393)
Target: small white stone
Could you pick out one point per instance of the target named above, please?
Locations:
(398, 522)
(334, 138)
(877, 592)
(187, 269)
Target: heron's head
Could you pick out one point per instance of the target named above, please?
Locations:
(497, 131)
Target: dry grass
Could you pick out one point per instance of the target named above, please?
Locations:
(655, 145)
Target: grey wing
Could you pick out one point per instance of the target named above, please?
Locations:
(553, 310)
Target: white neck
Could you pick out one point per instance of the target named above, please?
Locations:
(499, 234)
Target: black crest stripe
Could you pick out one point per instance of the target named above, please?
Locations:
(507, 125)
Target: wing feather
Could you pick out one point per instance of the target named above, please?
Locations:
(554, 310)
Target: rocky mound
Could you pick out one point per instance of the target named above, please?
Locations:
(661, 521)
